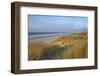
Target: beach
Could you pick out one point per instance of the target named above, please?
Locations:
(68, 46)
(45, 40)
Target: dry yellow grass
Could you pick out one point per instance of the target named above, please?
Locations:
(35, 51)
(76, 45)
(78, 50)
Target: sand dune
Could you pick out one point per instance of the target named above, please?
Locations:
(59, 47)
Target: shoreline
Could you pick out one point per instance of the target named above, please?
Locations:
(46, 40)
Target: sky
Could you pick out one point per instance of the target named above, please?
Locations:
(40, 23)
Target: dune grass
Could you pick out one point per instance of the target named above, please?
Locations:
(35, 50)
(78, 50)
(73, 46)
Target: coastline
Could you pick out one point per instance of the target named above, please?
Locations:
(59, 47)
(46, 40)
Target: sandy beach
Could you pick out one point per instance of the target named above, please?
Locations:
(58, 47)
(46, 40)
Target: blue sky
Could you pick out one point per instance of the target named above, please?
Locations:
(40, 23)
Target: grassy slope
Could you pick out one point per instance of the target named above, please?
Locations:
(65, 47)
(78, 50)
(76, 45)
